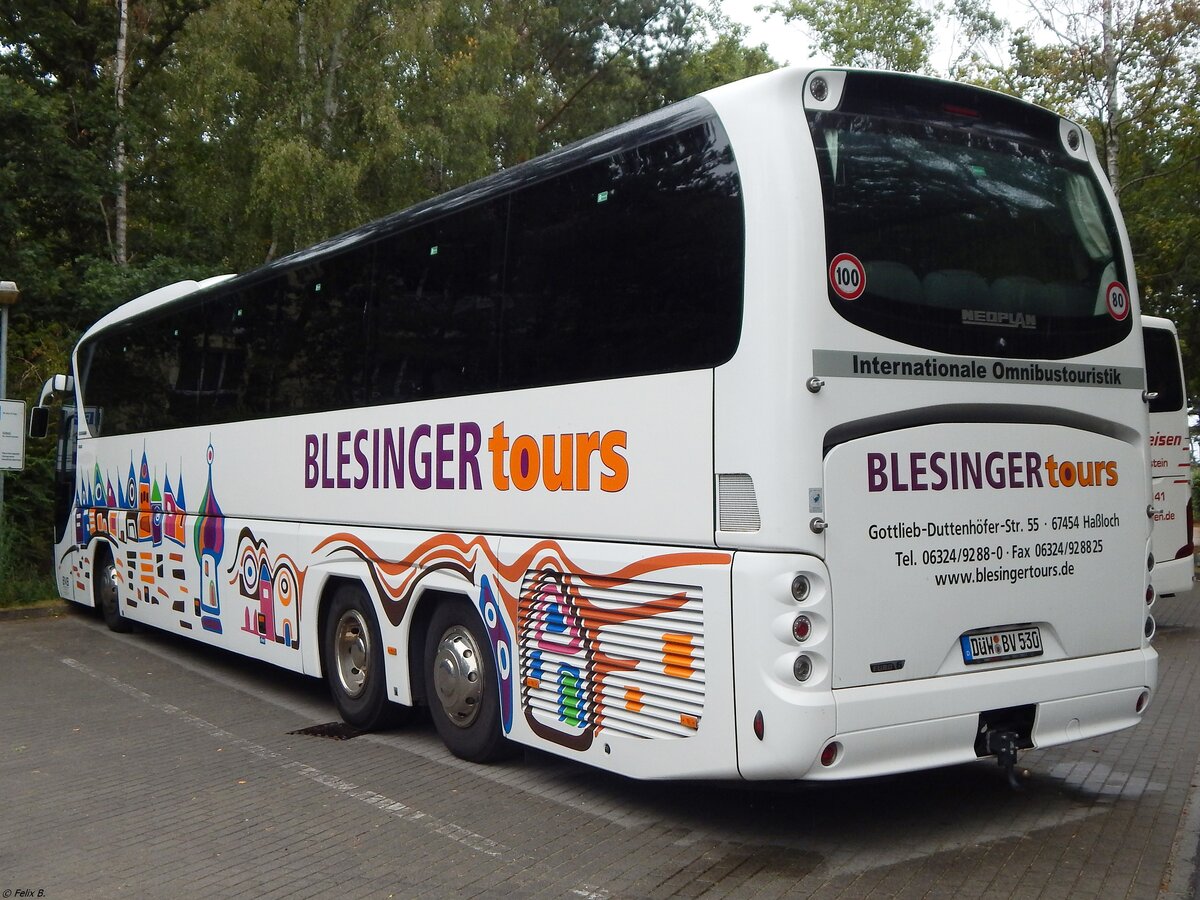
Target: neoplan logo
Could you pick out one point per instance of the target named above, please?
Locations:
(999, 319)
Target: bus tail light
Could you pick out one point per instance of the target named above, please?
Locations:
(1150, 628)
(1150, 595)
(802, 668)
(759, 725)
(802, 628)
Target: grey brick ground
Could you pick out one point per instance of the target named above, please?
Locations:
(145, 766)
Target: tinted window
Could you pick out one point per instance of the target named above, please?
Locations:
(628, 264)
(436, 311)
(1163, 370)
(631, 265)
(318, 336)
(140, 376)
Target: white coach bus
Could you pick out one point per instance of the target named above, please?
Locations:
(794, 431)
(1170, 458)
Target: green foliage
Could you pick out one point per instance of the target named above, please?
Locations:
(1195, 476)
(20, 583)
(1148, 123)
(877, 34)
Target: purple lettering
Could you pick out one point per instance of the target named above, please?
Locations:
(420, 474)
(1014, 471)
(468, 456)
(393, 458)
(374, 457)
(364, 465)
(311, 471)
(343, 458)
(994, 469)
(876, 473)
(897, 484)
(935, 466)
(1033, 469)
(970, 470)
(916, 470)
(444, 455)
(326, 478)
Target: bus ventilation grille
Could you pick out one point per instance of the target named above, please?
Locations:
(598, 654)
(737, 507)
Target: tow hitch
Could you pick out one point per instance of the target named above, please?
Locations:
(1004, 745)
(1002, 732)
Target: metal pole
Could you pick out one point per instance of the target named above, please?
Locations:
(3, 388)
(8, 296)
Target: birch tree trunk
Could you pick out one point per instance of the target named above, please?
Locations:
(1112, 125)
(120, 249)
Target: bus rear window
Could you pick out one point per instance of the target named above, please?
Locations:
(961, 225)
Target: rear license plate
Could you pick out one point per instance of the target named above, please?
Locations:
(1002, 643)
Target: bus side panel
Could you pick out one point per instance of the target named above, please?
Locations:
(615, 654)
(181, 566)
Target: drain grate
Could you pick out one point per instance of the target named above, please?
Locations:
(339, 731)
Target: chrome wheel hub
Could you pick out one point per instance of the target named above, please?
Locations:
(108, 588)
(457, 677)
(352, 651)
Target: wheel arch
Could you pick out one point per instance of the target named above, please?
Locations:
(329, 587)
(90, 557)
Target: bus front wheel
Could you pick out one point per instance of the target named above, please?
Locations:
(108, 594)
(354, 662)
(460, 679)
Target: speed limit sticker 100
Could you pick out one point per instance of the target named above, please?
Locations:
(847, 276)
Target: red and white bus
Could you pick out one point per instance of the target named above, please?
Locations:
(794, 431)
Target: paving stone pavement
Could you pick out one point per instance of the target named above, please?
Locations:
(146, 766)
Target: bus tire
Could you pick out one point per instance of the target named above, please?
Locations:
(461, 684)
(354, 662)
(107, 593)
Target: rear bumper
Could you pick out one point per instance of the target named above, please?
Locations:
(886, 729)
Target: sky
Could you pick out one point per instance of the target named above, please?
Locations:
(787, 42)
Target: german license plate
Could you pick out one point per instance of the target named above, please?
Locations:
(1001, 643)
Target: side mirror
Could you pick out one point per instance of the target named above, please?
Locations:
(39, 422)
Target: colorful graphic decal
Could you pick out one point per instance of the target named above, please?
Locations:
(597, 651)
(210, 544)
(141, 522)
(145, 521)
(273, 587)
(501, 642)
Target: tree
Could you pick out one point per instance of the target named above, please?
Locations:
(290, 120)
(876, 34)
(1120, 66)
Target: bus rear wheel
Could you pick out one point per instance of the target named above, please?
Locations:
(107, 594)
(461, 684)
(354, 662)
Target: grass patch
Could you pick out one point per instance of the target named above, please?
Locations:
(19, 585)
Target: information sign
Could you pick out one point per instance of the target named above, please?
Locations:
(12, 435)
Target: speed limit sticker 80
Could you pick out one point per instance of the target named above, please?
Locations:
(1117, 299)
(847, 276)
